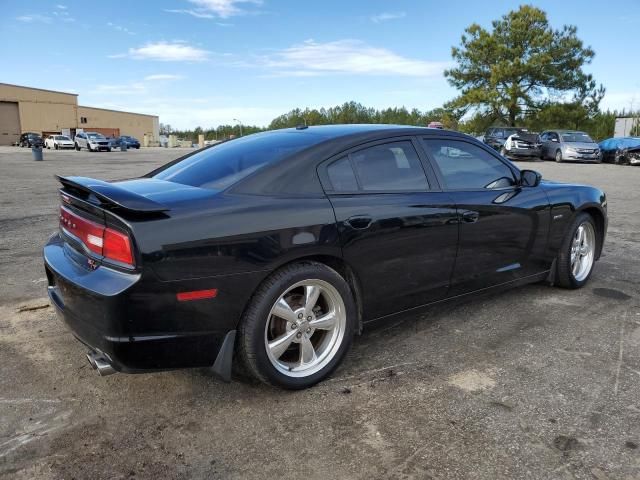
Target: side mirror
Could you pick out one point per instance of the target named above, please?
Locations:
(530, 178)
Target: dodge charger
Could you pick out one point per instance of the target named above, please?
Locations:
(270, 252)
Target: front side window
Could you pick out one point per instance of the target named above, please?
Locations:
(389, 167)
(465, 166)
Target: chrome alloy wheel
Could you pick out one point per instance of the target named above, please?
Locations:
(583, 250)
(305, 328)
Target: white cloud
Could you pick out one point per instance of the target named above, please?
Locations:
(61, 7)
(166, 52)
(386, 16)
(216, 8)
(120, 28)
(162, 76)
(33, 18)
(135, 88)
(193, 13)
(347, 57)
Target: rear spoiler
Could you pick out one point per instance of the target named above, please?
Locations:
(111, 194)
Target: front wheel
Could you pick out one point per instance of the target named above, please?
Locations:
(559, 156)
(77, 147)
(298, 327)
(577, 255)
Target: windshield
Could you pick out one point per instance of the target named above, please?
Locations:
(576, 137)
(61, 137)
(226, 163)
(95, 135)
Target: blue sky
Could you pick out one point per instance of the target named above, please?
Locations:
(206, 62)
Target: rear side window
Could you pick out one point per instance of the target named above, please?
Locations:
(389, 167)
(226, 163)
(465, 166)
(341, 176)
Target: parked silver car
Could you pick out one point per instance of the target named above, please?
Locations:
(92, 141)
(561, 145)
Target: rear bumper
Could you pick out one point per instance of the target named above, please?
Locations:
(137, 324)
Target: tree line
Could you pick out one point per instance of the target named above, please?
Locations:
(520, 72)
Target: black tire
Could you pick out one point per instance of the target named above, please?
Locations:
(108, 149)
(77, 147)
(55, 145)
(564, 275)
(251, 352)
(558, 156)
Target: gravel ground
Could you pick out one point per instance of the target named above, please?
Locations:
(535, 382)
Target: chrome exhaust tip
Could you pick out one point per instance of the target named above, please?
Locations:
(104, 368)
(92, 360)
(100, 363)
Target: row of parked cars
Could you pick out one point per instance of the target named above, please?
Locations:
(92, 141)
(562, 145)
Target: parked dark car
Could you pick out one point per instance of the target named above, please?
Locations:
(130, 142)
(496, 136)
(30, 139)
(622, 150)
(274, 249)
(562, 145)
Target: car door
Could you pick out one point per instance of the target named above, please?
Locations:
(553, 144)
(543, 145)
(397, 229)
(503, 226)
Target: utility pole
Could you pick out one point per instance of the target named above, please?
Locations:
(240, 124)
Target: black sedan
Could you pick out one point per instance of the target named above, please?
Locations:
(273, 250)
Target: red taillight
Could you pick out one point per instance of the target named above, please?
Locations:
(117, 246)
(102, 240)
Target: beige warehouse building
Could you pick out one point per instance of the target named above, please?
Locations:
(26, 109)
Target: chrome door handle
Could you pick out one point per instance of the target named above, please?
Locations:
(359, 222)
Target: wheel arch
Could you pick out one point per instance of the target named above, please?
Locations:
(599, 219)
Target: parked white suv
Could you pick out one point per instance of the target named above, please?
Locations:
(58, 141)
(92, 141)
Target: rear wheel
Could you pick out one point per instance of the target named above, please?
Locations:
(55, 146)
(77, 147)
(298, 327)
(559, 156)
(577, 255)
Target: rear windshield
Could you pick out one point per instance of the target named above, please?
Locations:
(226, 163)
